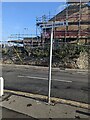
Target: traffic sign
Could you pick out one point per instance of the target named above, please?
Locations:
(54, 24)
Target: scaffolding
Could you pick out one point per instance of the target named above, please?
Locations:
(74, 16)
(76, 29)
(24, 39)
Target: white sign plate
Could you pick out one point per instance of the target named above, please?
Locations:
(55, 24)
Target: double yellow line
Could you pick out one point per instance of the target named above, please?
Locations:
(53, 99)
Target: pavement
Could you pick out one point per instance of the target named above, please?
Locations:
(18, 106)
(46, 68)
(7, 113)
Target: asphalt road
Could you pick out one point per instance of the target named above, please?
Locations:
(65, 84)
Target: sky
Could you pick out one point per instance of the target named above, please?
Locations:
(20, 17)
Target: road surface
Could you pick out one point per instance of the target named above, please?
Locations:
(65, 84)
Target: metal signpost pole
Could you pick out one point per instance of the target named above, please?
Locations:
(50, 66)
(51, 25)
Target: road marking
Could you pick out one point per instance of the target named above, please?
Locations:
(40, 78)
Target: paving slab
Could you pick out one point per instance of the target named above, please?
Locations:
(40, 109)
(6, 113)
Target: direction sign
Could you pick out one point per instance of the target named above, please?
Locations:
(54, 24)
(51, 25)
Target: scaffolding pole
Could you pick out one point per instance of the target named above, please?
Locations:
(79, 22)
(66, 27)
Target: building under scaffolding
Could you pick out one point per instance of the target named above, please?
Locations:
(76, 31)
(25, 41)
(78, 28)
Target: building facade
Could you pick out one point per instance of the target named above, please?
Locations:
(77, 28)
